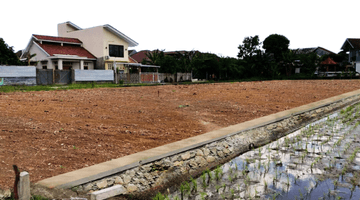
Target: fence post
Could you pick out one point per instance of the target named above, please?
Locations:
(72, 76)
(53, 73)
(115, 77)
(24, 186)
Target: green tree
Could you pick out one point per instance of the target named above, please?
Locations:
(185, 59)
(168, 64)
(230, 68)
(309, 63)
(249, 48)
(206, 66)
(153, 57)
(7, 55)
(288, 59)
(255, 62)
(277, 45)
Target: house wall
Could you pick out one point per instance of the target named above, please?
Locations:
(40, 55)
(89, 37)
(110, 38)
(63, 28)
(353, 53)
(96, 40)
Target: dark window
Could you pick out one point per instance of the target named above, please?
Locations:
(116, 51)
(44, 67)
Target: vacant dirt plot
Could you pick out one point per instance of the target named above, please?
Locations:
(52, 132)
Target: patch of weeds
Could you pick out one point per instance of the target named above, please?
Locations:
(160, 196)
(218, 173)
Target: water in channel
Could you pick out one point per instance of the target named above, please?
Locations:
(319, 161)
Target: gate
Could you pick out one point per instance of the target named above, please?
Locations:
(63, 76)
(44, 76)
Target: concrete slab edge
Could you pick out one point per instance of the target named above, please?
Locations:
(288, 113)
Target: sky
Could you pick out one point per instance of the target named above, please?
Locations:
(208, 26)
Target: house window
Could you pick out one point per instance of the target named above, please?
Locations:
(67, 65)
(110, 66)
(86, 65)
(116, 50)
(44, 67)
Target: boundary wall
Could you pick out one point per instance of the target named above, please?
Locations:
(153, 168)
(17, 75)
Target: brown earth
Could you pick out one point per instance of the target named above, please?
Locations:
(51, 132)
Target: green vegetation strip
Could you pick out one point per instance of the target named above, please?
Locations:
(23, 88)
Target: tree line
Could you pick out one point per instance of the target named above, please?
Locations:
(270, 59)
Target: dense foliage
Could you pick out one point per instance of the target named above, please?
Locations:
(271, 59)
(7, 55)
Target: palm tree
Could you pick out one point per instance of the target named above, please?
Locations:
(29, 57)
(153, 57)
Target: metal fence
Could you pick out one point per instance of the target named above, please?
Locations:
(44, 76)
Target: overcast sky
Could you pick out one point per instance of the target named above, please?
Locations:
(208, 26)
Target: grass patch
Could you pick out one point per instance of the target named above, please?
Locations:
(25, 88)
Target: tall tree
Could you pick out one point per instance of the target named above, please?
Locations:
(250, 47)
(253, 58)
(7, 55)
(277, 45)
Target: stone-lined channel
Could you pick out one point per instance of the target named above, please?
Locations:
(318, 161)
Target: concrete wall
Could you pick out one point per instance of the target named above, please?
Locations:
(17, 75)
(94, 75)
(155, 167)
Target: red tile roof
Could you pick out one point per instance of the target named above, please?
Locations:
(55, 48)
(132, 60)
(139, 56)
(328, 61)
(58, 39)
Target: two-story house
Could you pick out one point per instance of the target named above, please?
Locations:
(100, 47)
(352, 45)
(106, 43)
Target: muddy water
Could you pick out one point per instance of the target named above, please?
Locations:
(319, 161)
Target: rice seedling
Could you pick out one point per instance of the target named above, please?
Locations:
(203, 178)
(265, 185)
(217, 187)
(218, 173)
(194, 183)
(210, 176)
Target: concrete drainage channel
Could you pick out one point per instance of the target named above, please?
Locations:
(154, 169)
(319, 161)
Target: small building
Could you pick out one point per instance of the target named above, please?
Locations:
(320, 51)
(352, 45)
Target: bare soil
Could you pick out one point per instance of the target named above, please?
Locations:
(52, 132)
